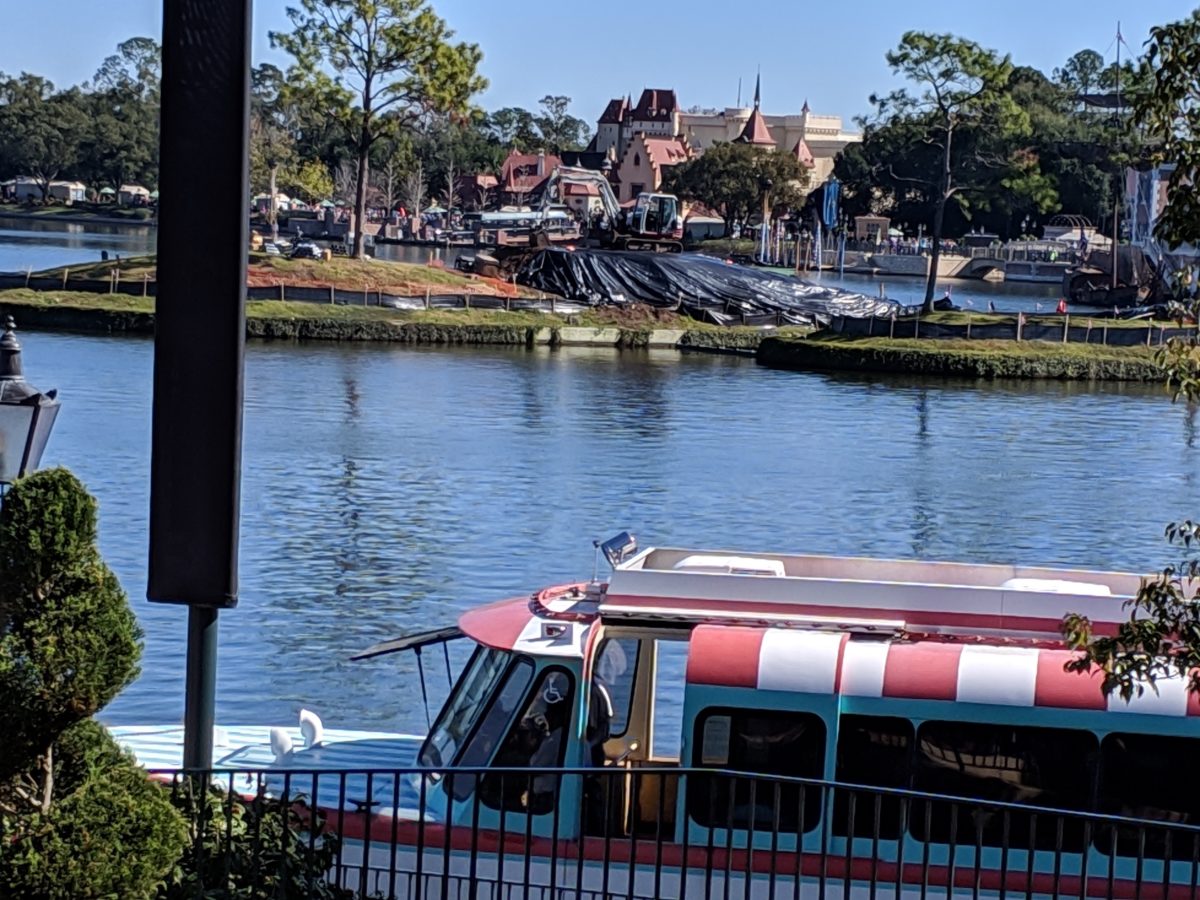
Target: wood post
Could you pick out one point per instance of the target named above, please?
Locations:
(1104, 334)
(65, 271)
(968, 325)
(1149, 332)
(282, 295)
(145, 283)
(427, 298)
(1066, 327)
(331, 295)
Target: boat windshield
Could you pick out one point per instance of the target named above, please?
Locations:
(464, 706)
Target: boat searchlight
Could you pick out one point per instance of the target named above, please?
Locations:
(616, 550)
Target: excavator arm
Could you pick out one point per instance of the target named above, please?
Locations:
(564, 175)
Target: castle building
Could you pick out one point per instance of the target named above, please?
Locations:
(816, 140)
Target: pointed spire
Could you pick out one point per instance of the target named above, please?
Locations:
(804, 108)
(757, 89)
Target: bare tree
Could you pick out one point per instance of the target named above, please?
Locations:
(414, 189)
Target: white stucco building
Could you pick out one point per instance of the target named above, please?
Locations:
(657, 114)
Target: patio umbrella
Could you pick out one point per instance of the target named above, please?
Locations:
(154, 195)
(107, 191)
(327, 204)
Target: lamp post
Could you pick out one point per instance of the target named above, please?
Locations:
(26, 414)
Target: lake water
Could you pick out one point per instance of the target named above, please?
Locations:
(389, 488)
(43, 244)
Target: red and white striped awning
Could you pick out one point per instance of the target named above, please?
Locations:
(775, 659)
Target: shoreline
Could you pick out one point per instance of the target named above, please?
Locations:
(79, 219)
(117, 314)
(788, 348)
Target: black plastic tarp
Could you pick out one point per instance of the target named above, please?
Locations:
(700, 285)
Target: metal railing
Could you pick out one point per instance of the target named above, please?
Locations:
(656, 832)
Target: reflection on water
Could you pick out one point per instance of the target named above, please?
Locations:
(386, 489)
(42, 244)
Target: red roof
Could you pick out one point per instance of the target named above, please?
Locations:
(519, 173)
(581, 190)
(666, 151)
(655, 104)
(614, 113)
(803, 154)
(756, 131)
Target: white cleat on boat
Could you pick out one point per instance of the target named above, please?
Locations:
(311, 728)
(281, 745)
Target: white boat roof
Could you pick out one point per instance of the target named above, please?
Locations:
(854, 593)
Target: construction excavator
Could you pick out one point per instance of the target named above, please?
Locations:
(653, 224)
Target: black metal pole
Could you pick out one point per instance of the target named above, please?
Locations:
(195, 464)
(200, 687)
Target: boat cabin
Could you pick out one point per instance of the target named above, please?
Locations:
(939, 678)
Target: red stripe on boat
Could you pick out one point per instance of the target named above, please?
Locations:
(841, 659)
(922, 671)
(1193, 697)
(724, 655)
(1066, 690)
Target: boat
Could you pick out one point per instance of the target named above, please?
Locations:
(717, 723)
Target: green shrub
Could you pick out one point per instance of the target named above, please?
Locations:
(250, 850)
(113, 833)
(80, 819)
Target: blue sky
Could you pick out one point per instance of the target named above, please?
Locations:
(830, 53)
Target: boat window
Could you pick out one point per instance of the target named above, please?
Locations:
(463, 707)
(614, 675)
(873, 751)
(762, 742)
(537, 740)
(1144, 776)
(670, 667)
(488, 733)
(1048, 767)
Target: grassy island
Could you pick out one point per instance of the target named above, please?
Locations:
(272, 319)
(962, 358)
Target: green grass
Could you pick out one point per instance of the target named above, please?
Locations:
(963, 317)
(996, 349)
(132, 269)
(76, 300)
(727, 247)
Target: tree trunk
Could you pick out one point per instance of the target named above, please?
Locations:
(360, 198)
(939, 217)
(47, 779)
(272, 210)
